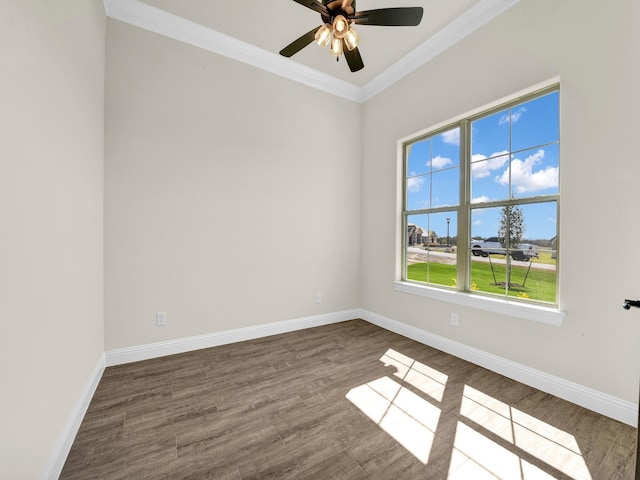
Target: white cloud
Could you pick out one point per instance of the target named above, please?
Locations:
(480, 199)
(477, 223)
(414, 184)
(440, 162)
(523, 177)
(515, 116)
(452, 137)
(482, 167)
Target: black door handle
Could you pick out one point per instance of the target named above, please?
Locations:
(630, 303)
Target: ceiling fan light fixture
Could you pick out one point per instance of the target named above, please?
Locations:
(323, 35)
(340, 26)
(336, 47)
(351, 39)
(335, 30)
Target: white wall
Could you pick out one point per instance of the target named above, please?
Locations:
(592, 46)
(232, 196)
(225, 207)
(51, 190)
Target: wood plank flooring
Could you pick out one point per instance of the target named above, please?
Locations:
(345, 401)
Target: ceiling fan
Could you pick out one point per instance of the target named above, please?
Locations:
(337, 17)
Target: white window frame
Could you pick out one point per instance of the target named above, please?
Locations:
(462, 295)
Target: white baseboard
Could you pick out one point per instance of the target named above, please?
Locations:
(608, 405)
(613, 407)
(61, 451)
(181, 345)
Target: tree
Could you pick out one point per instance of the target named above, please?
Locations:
(512, 227)
(510, 232)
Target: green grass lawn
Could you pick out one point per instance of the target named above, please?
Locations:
(544, 256)
(540, 285)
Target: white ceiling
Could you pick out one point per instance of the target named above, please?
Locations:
(254, 31)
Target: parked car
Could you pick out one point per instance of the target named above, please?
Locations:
(493, 246)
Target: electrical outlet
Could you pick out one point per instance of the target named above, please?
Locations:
(161, 319)
(318, 297)
(454, 319)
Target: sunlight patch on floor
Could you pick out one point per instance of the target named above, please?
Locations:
(424, 378)
(553, 446)
(407, 417)
(492, 439)
(483, 458)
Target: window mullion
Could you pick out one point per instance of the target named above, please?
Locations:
(462, 251)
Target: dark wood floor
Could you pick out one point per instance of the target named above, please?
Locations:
(344, 401)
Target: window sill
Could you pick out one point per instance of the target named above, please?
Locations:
(536, 313)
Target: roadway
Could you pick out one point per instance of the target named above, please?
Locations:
(417, 254)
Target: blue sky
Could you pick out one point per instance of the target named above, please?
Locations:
(514, 150)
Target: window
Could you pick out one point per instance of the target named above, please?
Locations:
(481, 200)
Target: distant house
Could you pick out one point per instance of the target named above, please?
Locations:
(417, 236)
(414, 235)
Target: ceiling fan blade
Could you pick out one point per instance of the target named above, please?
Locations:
(392, 17)
(297, 45)
(354, 60)
(314, 5)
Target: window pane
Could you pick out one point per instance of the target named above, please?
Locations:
(533, 172)
(433, 162)
(445, 188)
(513, 251)
(490, 264)
(490, 135)
(484, 223)
(488, 275)
(418, 192)
(446, 150)
(485, 173)
(490, 157)
(418, 157)
(431, 249)
(537, 277)
(535, 123)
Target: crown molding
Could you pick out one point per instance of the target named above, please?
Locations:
(155, 20)
(147, 17)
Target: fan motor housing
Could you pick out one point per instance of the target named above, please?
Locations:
(334, 13)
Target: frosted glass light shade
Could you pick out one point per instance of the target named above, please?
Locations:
(336, 47)
(351, 39)
(340, 26)
(323, 35)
